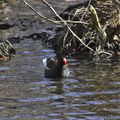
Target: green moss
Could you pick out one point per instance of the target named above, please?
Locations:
(1, 2)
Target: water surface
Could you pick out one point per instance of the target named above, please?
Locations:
(92, 92)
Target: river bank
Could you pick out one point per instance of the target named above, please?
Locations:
(97, 34)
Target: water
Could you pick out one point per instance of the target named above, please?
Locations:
(92, 92)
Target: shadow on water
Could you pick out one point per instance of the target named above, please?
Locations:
(92, 92)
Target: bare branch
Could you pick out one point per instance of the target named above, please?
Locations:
(66, 25)
(39, 13)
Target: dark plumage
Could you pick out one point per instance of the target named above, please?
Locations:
(56, 67)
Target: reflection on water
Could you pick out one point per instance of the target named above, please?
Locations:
(92, 92)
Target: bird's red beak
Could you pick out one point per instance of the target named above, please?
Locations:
(65, 62)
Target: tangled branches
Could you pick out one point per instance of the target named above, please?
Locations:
(6, 51)
(92, 27)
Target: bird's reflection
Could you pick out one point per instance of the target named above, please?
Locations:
(59, 86)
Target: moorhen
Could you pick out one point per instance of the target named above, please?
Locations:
(56, 67)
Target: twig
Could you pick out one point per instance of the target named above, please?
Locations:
(85, 10)
(4, 47)
(38, 13)
(72, 22)
(66, 25)
(97, 24)
(101, 51)
(53, 21)
(64, 39)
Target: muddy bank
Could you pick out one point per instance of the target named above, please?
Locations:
(97, 34)
(98, 30)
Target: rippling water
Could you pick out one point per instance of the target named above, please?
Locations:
(92, 92)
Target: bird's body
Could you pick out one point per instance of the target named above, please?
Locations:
(56, 67)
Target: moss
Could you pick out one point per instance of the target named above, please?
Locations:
(1, 2)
